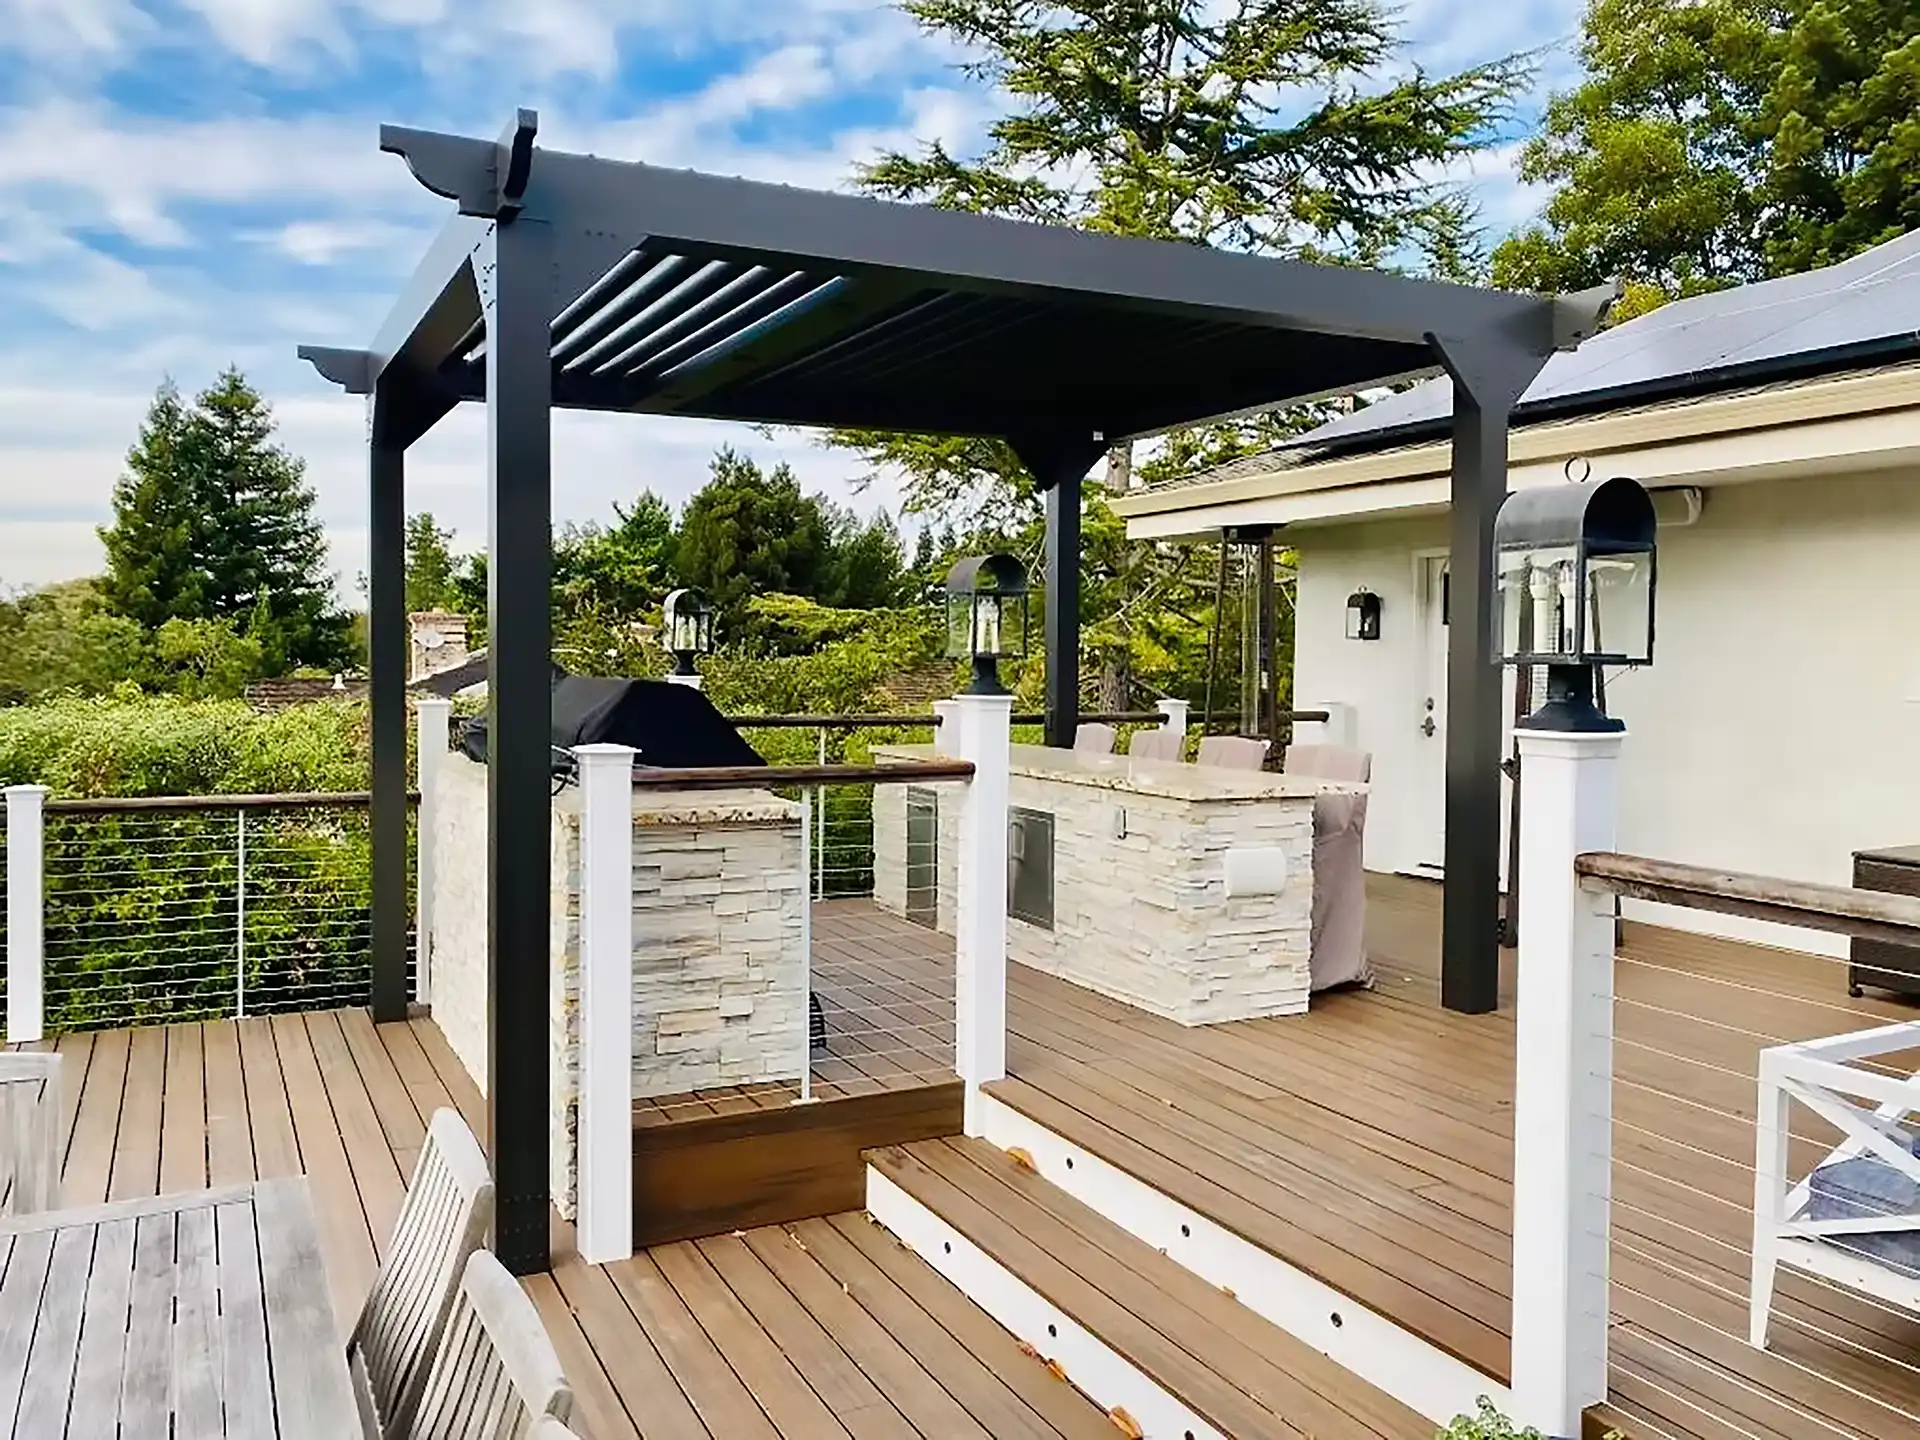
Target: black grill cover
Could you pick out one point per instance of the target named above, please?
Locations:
(672, 726)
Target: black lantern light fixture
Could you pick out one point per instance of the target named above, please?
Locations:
(1363, 615)
(987, 617)
(689, 628)
(1573, 590)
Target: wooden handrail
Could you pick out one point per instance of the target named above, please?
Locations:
(857, 722)
(1838, 909)
(761, 777)
(313, 800)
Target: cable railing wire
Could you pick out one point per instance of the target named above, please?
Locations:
(184, 908)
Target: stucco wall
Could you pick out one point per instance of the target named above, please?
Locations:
(1779, 727)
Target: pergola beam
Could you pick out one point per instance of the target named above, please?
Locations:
(760, 223)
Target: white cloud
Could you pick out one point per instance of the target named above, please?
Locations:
(274, 32)
(323, 242)
(72, 29)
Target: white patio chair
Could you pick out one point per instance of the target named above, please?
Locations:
(1233, 752)
(549, 1428)
(1094, 739)
(496, 1376)
(29, 1132)
(443, 1221)
(1854, 1219)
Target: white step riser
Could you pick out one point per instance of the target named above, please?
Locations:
(1104, 1375)
(1420, 1376)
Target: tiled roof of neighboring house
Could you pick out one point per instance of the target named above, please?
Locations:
(289, 690)
(916, 689)
(1860, 314)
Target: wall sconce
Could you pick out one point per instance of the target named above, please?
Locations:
(1363, 615)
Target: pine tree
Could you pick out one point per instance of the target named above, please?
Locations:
(213, 521)
(153, 545)
(430, 564)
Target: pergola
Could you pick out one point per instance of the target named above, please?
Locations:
(577, 282)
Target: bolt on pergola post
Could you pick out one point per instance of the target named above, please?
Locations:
(579, 282)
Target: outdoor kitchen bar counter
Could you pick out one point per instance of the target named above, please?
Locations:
(1185, 890)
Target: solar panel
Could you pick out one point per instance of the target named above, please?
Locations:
(1869, 302)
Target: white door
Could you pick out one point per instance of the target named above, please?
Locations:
(1431, 717)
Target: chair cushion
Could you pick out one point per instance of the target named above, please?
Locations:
(1862, 1187)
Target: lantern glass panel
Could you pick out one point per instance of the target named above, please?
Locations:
(1537, 603)
(959, 626)
(1620, 608)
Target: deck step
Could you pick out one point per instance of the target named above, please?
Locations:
(1122, 1320)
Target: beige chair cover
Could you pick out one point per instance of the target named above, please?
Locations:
(1154, 745)
(1339, 877)
(1234, 752)
(1094, 739)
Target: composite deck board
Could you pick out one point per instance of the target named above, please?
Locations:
(1369, 1142)
(768, 1335)
(1405, 1111)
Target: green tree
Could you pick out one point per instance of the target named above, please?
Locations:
(866, 564)
(209, 659)
(431, 565)
(623, 568)
(749, 532)
(154, 562)
(1722, 142)
(1261, 125)
(213, 521)
(63, 638)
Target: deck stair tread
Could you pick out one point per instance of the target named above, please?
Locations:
(1306, 1230)
(1237, 1371)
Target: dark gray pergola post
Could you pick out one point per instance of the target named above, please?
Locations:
(1063, 611)
(1059, 466)
(1488, 381)
(387, 676)
(518, 308)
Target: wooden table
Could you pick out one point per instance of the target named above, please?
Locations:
(193, 1315)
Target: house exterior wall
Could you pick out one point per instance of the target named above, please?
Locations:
(1778, 729)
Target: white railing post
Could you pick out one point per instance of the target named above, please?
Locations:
(26, 912)
(1563, 1082)
(1176, 716)
(431, 716)
(946, 727)
(604, 1136)
(984, 726)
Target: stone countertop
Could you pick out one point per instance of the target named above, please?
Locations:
(1167, 779)
(661, 808)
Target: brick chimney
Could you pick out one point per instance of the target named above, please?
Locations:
(439, 642)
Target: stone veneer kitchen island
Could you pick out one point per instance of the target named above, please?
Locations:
(719, 943)
(1185, 890)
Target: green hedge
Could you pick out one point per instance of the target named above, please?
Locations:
(144, 909)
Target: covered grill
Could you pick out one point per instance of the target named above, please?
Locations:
(669, 726)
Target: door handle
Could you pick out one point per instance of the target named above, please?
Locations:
(1426, 726)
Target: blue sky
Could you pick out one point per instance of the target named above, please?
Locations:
(192, 183)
